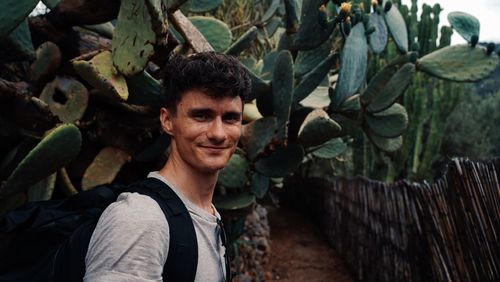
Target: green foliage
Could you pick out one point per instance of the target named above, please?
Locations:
(472, 129)
(55, 150)
(343, 64)
(134, 37)
(459, 63)
(13, 13)
(465, 24)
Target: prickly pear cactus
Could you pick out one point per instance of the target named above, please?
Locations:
(56, 149)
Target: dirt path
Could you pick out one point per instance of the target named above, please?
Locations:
(299, 252)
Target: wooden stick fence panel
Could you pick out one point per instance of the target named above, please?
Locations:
(445, 231)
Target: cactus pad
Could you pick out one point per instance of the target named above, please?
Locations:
(465, 24)
(459, 63)
(251, 113)
(312, 79)
(397, 26)
(319, 98)
(134, 38)
(308, 60)
(42, 190)
(350, 105)
(318, 128)
(101, 74)
(259, 184)
(67, 98)
(202, 6)
(19, 43)
(144, 89)
(48, 60)
(353, 61)
(243, 43)
(257, 135)
(386, 144)
(281, 162)
(389, 123)
(330, 149)
(13, 12)
(215, 31)
(55, 150)
(393, 89)
(105, 167)
(234, 174)
(312, 33)
(231, 202)
(378, 39)
(282, 90)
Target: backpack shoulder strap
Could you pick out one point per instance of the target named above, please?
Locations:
(182, 260)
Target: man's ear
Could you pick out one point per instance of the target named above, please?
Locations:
(166, 120)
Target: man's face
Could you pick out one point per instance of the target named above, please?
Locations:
(204, 130)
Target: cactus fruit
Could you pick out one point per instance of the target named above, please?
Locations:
(243, 43)
(281, 162)
(203, 6)
(311, 33)
(66, 97)
(397, 27)
(55, 150)
(104, 167)
(465, 24)
(257, 135)
(393, 89)
(318, 128)
(48, 60)
(134, 37)
(330, 149)
(259, 184)
(282, 90)
(215, 31)
(490, 48)
(389, 123)
(234, 174)
(101, 74)
(353, 61)
(378, 39)
(458, 63)
(13, 13)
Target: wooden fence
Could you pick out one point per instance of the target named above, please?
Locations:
(445, 231)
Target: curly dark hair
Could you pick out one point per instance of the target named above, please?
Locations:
(217, 75)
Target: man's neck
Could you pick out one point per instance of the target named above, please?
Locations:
(197, 187)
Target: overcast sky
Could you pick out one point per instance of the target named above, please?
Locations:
(487, 11)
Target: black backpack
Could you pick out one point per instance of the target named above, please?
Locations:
(48, 240)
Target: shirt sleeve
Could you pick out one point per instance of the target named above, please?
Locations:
(130, 242)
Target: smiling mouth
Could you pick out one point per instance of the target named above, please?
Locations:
(215, 147)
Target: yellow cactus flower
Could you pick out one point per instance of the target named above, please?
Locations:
(374, 3)
(345, 7)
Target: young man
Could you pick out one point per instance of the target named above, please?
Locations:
(204, 104)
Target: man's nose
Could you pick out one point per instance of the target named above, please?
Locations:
(216, 132)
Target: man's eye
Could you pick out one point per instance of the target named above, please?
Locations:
(201, 117)
(232, 118)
